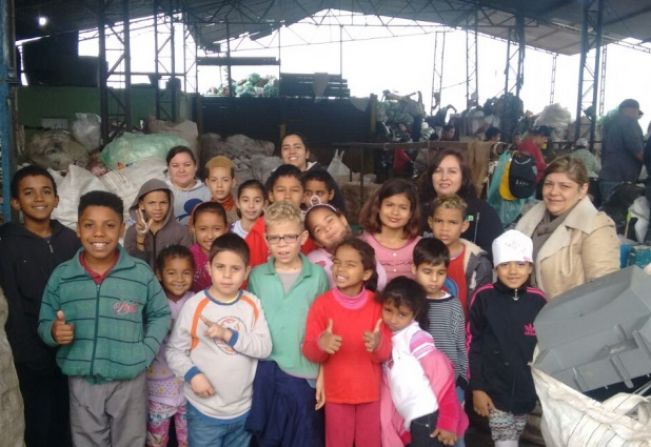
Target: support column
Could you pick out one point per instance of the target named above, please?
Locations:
(115, 103)
(7, 100)
(589, 65)
(165, 60)
(437, 71)
(552, 91)
(602, 79)
(515, 52)
(472, 60)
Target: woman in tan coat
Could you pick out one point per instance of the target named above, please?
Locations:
(573, 241)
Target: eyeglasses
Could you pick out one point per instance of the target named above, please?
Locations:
(287, 238)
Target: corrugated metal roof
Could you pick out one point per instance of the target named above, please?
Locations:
(552, 25)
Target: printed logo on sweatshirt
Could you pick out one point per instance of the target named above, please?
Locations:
(529, 330)
(233, 323)
(125, 308)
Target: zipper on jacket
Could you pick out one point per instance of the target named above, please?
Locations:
(49, 245)
(515, 295)
(92, 359)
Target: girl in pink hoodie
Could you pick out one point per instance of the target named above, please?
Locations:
(419, 404)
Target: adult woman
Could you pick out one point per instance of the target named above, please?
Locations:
(294, 151)
(573, 242)
(188, 190)
(450, 174)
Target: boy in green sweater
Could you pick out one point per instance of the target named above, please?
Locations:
(108, 315)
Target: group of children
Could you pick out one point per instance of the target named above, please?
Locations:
(262, 310)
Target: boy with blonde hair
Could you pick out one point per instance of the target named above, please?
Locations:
(287, 284)
(220, 179)
(469, 265)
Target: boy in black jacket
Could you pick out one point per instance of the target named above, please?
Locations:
(503, 339)
(29, 253)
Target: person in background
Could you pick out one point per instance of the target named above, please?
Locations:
(622, 149)
(220, 179)
(215, 346)
(294, 151)
(208, 223)
(573, 242)
(533, 143)
(251, 200)
(493, 134)
(155, 226)
(182, 179)
(29, 252)
(449, 133)
(390, 219)
(450, 174)
(175, 270)
(583, 154)
(284, 185)
(283, 412)
(503, 339)
(318, 187)
(107, 314)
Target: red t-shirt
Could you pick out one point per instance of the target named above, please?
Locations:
(530, 148)
(458, 275)
(352, 375)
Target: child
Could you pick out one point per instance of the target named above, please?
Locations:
(283, 400)
(188, 190)
(344, 333)
(419, 379)
(220, 179)
(446, 322)
(469, 265)
(503, 339)
(155, 226)
(284, 185)
(29, 253)
(108, 315)
(215, 344)
(390, 220)
(318, 187)
(250, 201)
(174, 270)
(208, 223)
(328, 227)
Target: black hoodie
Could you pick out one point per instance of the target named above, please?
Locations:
(26, 262)
(502, 342)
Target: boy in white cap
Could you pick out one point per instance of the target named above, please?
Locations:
(503, 339)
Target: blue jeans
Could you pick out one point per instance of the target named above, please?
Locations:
(204, 431)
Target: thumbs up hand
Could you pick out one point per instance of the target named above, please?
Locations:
(372, 339)
(328, 341)
(62, 332)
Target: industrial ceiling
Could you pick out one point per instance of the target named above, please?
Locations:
(552, 25)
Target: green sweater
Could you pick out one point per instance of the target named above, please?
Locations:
(286, 312)
(119, 324)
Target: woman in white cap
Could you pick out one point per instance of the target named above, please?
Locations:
(573, 242)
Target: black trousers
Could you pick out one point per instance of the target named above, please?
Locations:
(47, 411)
(421, 428)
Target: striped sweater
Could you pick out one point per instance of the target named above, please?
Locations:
(119, 323)
(447, 325)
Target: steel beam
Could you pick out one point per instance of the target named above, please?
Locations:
(589, 66)
(115, 103)
(552, 90)
(515, 52)
(472, 60)
(602, 79)
(437, 70)
(165, 60)
(7, 100)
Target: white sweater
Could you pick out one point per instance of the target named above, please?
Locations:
(229, 367)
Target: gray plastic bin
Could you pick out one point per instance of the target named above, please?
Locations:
(598, 334)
